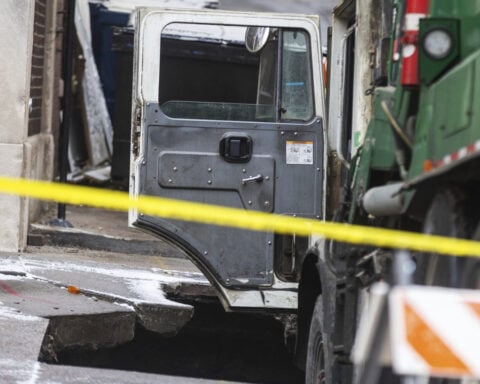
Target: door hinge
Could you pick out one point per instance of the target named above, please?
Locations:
(137, 121)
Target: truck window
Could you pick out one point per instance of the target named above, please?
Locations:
(207, 73)
(297, 93)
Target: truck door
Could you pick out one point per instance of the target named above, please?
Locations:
(228, 110)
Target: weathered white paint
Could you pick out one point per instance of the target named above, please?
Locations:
(362, 105)
(266, 299)
(16, 34)
(340, 33)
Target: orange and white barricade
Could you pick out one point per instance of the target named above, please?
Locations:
(435, 331)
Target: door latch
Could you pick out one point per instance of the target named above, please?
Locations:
(251, 179)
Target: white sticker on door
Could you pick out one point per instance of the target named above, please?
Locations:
(299, 152)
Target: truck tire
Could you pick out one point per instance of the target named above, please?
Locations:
(315, 367)
(447, 216)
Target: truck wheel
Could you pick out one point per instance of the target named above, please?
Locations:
(447, 216)
(315, 368)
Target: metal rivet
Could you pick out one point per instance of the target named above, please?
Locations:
(295, 133)
(282, 133)
(209, 169)
(267, 204)
(174, 169)
(209, 182)
(269, 243)
(141, 214)
(170, 181)
(156, 121)
(144, 162)
(244, 170)
(148, 104)
(249, 202)
(294, 215)
(205, 252)
(267, 177)
(318, 169)
(318, 217)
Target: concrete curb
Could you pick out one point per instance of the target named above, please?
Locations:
(41, 235)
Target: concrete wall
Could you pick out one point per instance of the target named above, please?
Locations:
(16, 28)
(39, 152)
(22, 155)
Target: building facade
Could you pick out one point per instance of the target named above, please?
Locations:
(30, 78)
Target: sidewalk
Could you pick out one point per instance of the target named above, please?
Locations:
(109, 294)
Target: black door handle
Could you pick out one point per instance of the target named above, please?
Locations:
(236, 148)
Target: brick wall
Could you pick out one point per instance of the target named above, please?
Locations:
(36, 82)
(58, 83)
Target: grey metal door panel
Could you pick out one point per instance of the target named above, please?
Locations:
(298, 185)
(208, 171)
(182, 156)
(236, 258)
(295, 186)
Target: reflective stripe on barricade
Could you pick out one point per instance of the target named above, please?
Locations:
(435, 331)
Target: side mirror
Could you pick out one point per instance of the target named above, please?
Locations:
(256, 38)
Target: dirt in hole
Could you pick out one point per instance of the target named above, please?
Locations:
(214, 345)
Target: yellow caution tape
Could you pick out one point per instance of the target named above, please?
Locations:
(238, 218)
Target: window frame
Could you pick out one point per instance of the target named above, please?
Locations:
(153, 21)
